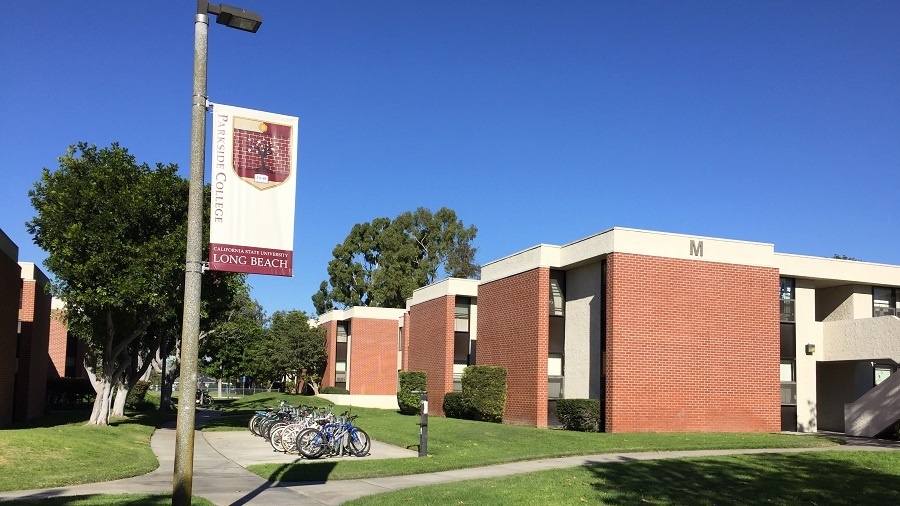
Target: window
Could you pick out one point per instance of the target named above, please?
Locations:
(340, 354)
(556, 346)
(557, 293)
(788, 370)
(788, 381)
(885, 301)
(788, 294)
(883, 372)
(461, 314)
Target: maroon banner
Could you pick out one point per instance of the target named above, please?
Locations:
(223, 257)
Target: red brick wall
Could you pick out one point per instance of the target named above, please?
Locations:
(431, 347)
(373, 356)
(10, 285)
(33, 359)
(56, 348)
(691, 346)
(372, 364)
(513, 332)
(406, 330)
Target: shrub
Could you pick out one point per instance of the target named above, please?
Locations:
(410, 381)
(455, 406)
(335, 390)
(583, 415)
(137, 394)
(484, 392)
(69, 393)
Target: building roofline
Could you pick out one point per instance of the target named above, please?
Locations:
(371, 313)
(31, 272)
(837, 271)
(633, 241)
(8, 247)
(442, 288)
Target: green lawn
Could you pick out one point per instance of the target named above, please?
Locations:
(62, 450)
(833, 478)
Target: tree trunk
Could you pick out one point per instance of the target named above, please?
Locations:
(118, 409)
(100, 413)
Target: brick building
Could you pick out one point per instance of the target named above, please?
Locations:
(34, 335)
(10, 297)
(671, 333)
(24, 334)
(65, 350)
(364, 350)
(440, 319)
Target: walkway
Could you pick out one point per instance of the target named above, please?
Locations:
(220, 477)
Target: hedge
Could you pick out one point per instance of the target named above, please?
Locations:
(484, 392)
(137, 396)
(583, 415)
(410, 381)
(335, 390)
(455, 406)
(69, 393)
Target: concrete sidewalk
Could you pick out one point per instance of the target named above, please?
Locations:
(220, 477)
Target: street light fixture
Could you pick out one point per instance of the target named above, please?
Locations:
(236, 17)
(190, 328)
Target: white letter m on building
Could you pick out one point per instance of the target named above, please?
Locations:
(696, 248)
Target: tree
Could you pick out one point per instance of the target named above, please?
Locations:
(114, 231)
(845, 257)
(381, 262)
(294, 348)
(224, 351)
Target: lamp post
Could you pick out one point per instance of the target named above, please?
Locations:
(190, 334)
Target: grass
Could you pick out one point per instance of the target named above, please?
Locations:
(457, 444)
(109, 500)
(61, 450)
(830, 477)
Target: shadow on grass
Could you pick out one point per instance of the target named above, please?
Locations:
(308, 472)
(102, 500)
(153, 418)
(849, 478)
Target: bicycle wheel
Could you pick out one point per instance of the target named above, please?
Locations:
(359, 443)
(289, 438)
(311, 443)
(276, 438)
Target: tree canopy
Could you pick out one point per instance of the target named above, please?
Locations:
(381, 262)
(114, 231)
(290, 348)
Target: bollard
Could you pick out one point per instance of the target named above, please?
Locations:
(423, 423)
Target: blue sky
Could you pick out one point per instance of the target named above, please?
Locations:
(537, 121)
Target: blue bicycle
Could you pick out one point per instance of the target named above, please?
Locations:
(336, 438)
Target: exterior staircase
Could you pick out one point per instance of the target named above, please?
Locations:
(876, 411)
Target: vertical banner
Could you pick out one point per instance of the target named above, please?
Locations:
(254, 186)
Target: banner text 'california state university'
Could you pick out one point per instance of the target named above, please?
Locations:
(254, 186)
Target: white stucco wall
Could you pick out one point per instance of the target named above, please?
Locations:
(863, 339)
(582, 351)
(808, 331)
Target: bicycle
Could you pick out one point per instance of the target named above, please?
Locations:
(204, 400)
(335, 438)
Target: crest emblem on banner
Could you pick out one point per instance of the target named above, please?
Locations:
(262, 152)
